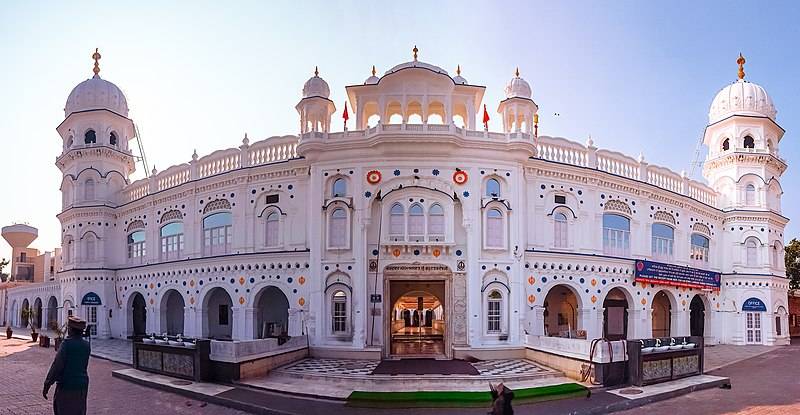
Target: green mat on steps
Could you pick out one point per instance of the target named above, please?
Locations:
(460, 399)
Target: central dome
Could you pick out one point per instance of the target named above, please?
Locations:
(518, 87)
(316, 87)
(96, 93)
(741, 98)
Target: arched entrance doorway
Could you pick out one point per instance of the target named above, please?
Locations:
(52, 312)
(37, 307)
(272, 313)
(662, 315)
(615, 315)
(417, 324)
(218, 323)
(24, 313)
(172, 307)
(561, 307)
(697, 316)
(138, 315)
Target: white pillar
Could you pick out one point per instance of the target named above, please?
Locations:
(238, 329)
(250, 319)
(295, 322)
(189, 326)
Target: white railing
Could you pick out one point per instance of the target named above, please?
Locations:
(617, 163)
(703, 194)
(173, 176)
(665, 179)
(271, 150)
(562, 151)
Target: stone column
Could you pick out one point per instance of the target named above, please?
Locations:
(679, 323)
(238, 331)
(250, 320)
(589, 320)
(200, 321)
(152, 320)
(640, 323)
(295, 323)
(189, 327)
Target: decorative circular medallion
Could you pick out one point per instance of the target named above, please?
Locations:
(644, 301)
(531, 280)
(241, 280)
(594, 282)
(531, 298)
(594, 298)
(241, 300)
(374, 177)
(396, 252)
(191, 283)
(301, 280)
(301, 301)
(191, 300)
(152, 301)
(436, 252)
(460, 177)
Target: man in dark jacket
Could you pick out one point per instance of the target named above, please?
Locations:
(69, 372)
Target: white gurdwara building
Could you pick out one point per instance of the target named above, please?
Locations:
(419, 232)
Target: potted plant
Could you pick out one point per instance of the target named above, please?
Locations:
(29, 314)
(58, 332)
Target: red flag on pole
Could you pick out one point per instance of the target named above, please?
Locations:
(485, 118)
(345, 115)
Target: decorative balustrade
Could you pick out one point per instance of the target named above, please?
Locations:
(665, 179)
(562, 151)
(617, 163)
(267, 151)
(173, 176)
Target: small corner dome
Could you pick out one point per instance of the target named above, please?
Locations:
(96, 93)
(741, 98)
(459, 80)
(518, 88)
(372, 80)
(316, 87)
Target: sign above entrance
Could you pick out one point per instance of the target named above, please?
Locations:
(753, 304)
(676, 275)
(417, 268)
(91, 299)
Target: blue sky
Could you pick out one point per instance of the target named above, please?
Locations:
(636, 76)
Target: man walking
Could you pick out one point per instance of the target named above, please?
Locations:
(69, 372)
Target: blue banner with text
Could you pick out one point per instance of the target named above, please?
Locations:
(676, 275)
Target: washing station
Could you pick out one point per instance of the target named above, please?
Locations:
(663, 359)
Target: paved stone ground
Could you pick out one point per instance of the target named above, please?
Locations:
(763, 385)
(22, 374)
(515, 367)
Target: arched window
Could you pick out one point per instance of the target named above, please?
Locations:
(492, 188)
(112, 138)
(560, 230)
(699, 249)
(616, 235)
(397, 220)
(273, 222)
(171, 241)
(90, 246)
(416, 220)
(217, 233)
(726, 145)
(436, 220)
(136, 247)
(751, 247)
(339, 188)
(89, 137)
(337, 229)
(494, 312)
(339, 312)
(750, 194)
(494, 229)
(749, 142)
(88, 190)
(663, 240)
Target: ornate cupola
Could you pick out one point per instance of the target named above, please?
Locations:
(315, 108)
(518, 109)
(742, 136)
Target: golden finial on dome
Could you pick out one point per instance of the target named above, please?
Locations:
(316, 70)
(96, 56)
(741, 62)
(373, 70)
(458, 70)
(415, 50)
(516, 73)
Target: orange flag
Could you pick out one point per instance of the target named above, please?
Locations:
(345, 115)
(485, 117)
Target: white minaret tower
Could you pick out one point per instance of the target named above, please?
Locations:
(315, 108)
(518, 109)
(745, 168)
(96, 164)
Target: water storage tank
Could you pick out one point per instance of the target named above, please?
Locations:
(19, 235)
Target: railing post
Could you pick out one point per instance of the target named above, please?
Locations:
(685, 185)
(591, 152)
(642, 168)
(244, 155)
(193, 167)
(153, 181)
